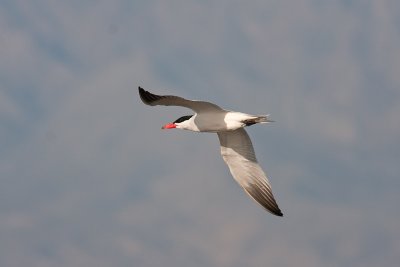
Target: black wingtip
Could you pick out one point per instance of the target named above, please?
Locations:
(278, 211)
(147, 97)
(142, 94)
(275, 211)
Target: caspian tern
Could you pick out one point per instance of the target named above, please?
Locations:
(236, 147)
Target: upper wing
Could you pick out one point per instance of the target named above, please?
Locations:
(170, 100)
(238, 153)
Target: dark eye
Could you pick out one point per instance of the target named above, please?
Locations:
(184, 118)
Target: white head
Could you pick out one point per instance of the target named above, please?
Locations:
(183, 122)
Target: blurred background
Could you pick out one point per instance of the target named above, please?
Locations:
(88, 178)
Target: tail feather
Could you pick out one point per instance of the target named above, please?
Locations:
(263, 119)
(258, 119)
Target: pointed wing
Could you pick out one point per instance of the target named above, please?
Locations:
(238, 153)
(170, 100)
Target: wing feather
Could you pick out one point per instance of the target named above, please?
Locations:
(238, 153)
(171, 100)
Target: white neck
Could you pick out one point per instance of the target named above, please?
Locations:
(188, 125)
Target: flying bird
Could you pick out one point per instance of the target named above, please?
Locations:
(236, 147)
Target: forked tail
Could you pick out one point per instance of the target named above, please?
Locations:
(263, 119)
(258, 119)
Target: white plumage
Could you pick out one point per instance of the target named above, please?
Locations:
(236, 147)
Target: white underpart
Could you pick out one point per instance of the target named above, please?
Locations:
(235, 120)
(238, 153)
(236, 147)
(216, 121)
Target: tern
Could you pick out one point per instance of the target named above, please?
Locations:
(236, 147)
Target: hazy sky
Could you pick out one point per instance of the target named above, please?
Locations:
(88, 178)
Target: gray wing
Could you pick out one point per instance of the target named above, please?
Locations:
(170, 100)
(238, 153)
